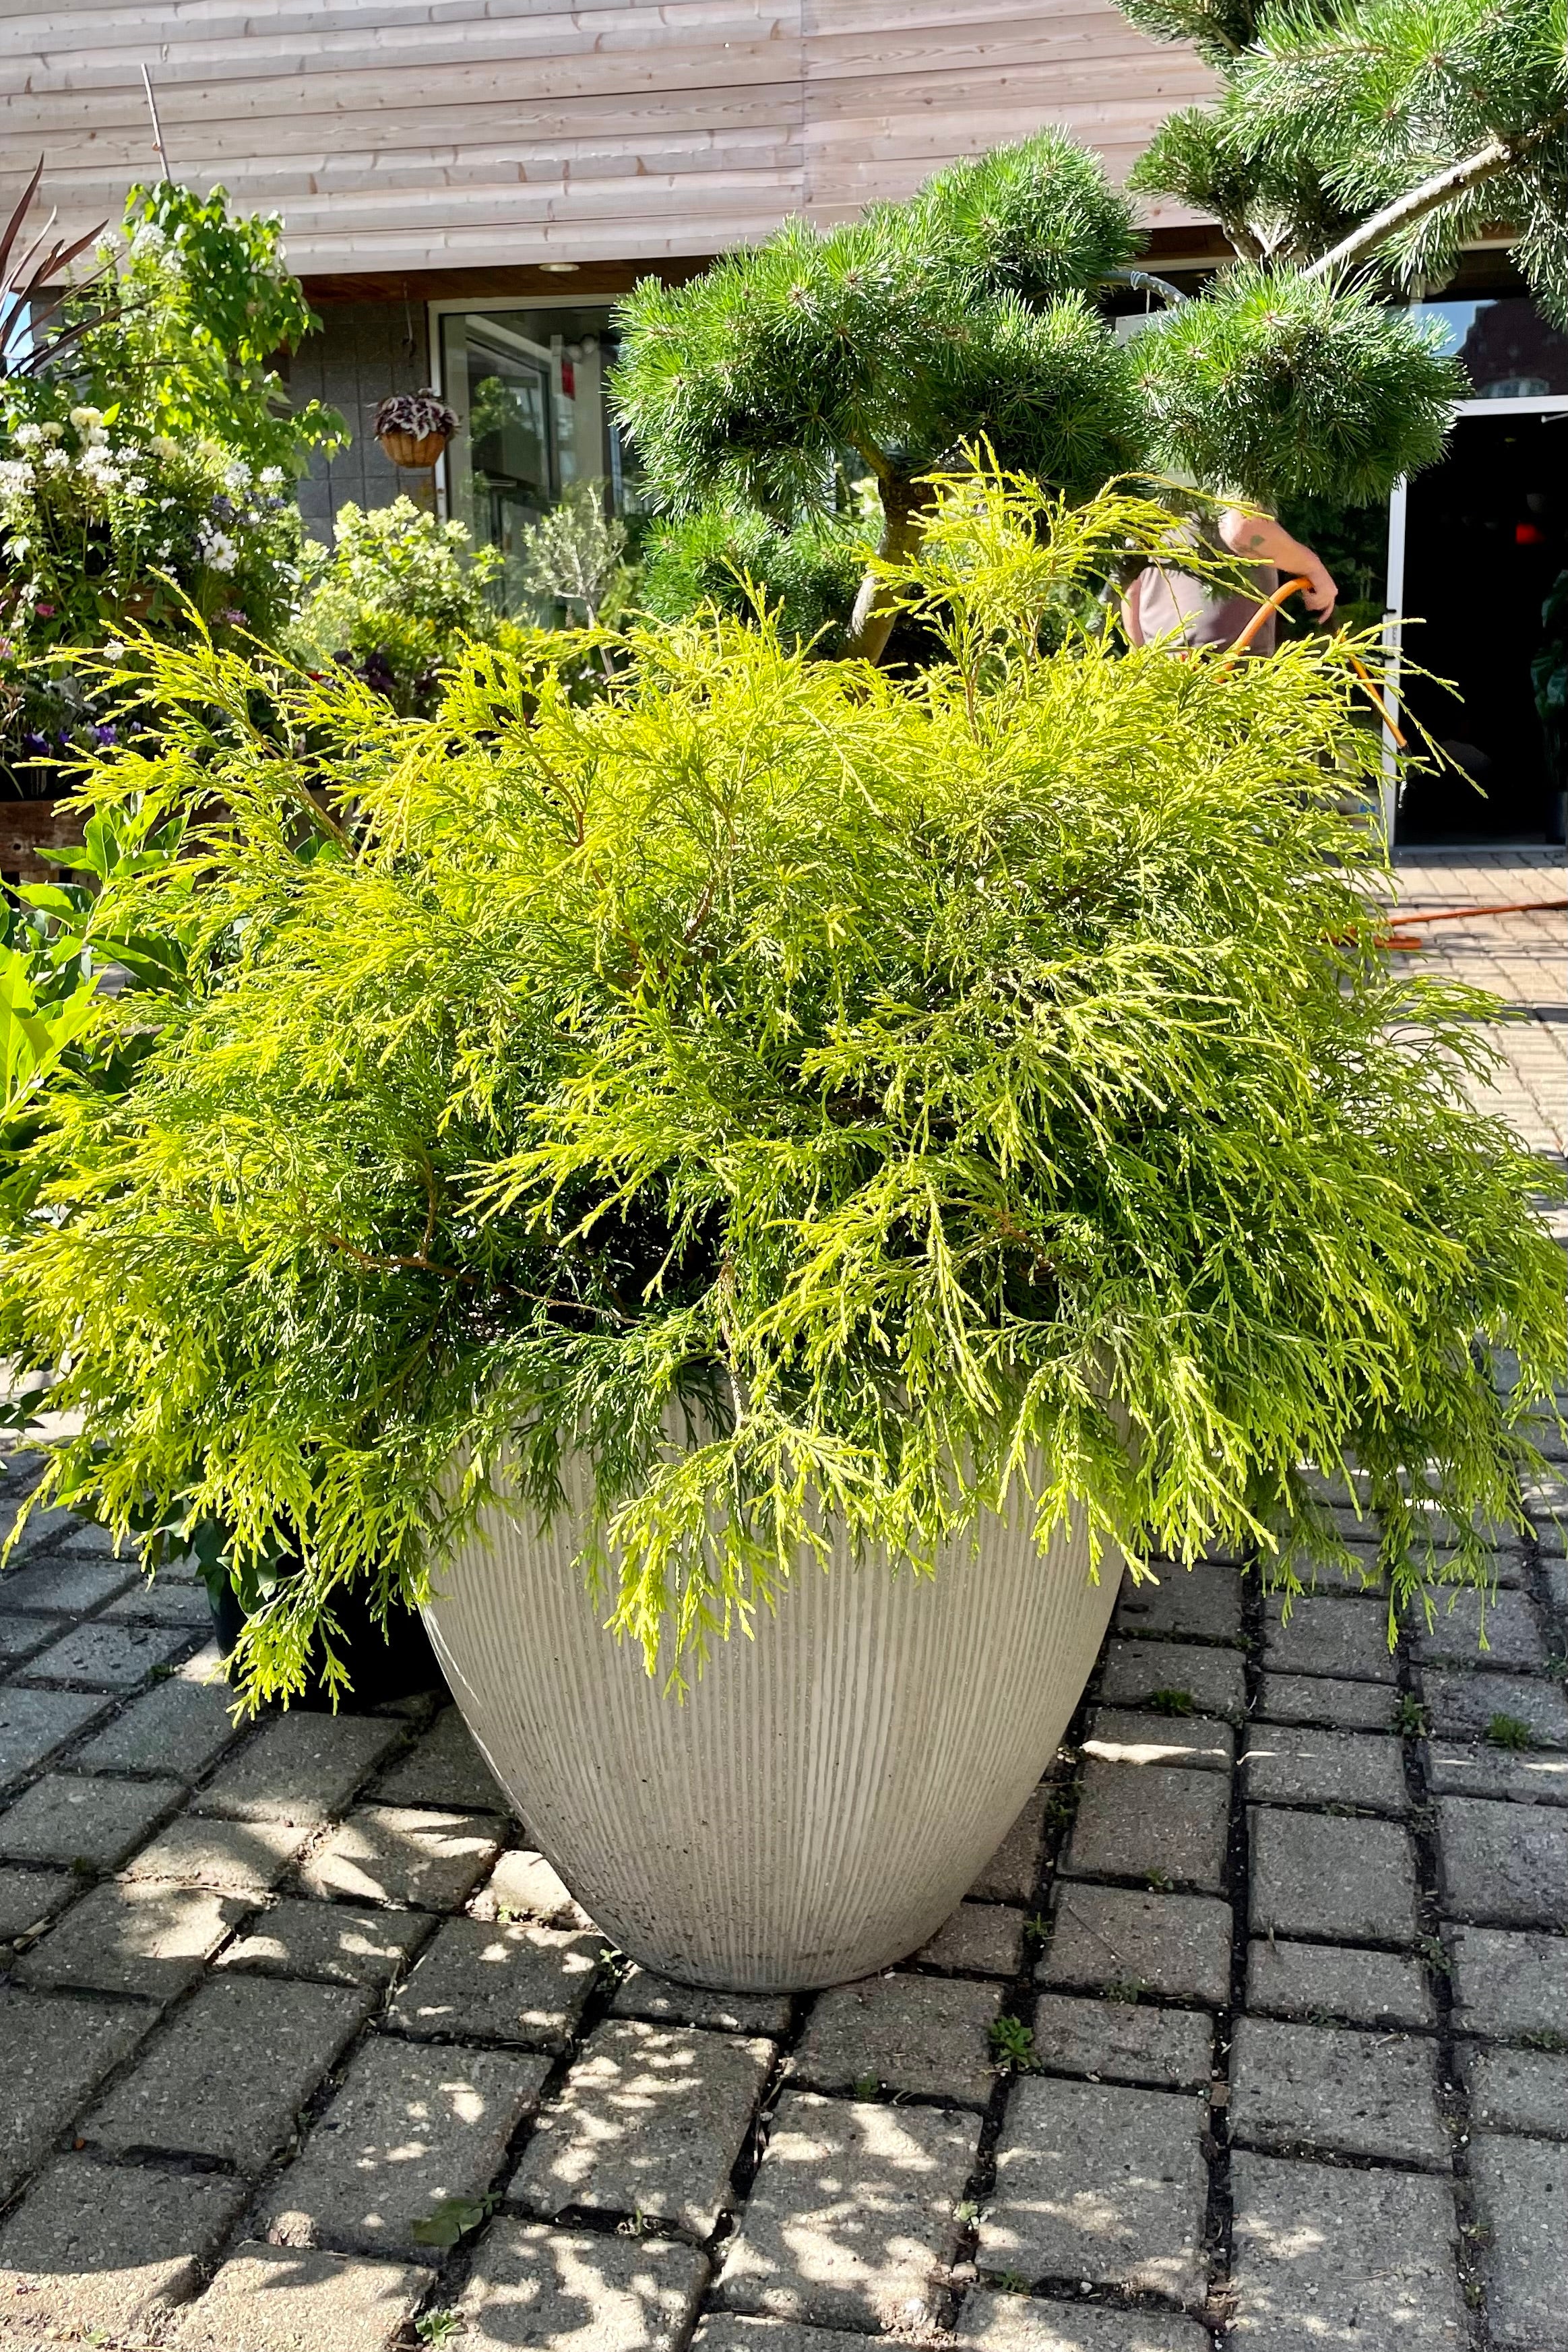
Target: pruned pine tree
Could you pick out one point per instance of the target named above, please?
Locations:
(893, 343)
(1380, 134)
(967, 318)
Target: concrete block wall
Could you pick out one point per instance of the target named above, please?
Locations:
(360, 355)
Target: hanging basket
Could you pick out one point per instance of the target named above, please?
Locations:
(414, 427)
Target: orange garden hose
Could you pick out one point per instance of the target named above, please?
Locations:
(1274, 603)
(1398, 940)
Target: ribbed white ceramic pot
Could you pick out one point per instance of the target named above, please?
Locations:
(827, 1792)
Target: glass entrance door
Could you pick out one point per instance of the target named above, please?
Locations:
(528, 384)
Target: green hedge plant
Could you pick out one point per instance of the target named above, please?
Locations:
(931, 1087)
(397, 597)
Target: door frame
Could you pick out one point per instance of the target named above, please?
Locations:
(1545, 403)
(447, 305)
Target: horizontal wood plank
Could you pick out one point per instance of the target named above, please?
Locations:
(428, 133)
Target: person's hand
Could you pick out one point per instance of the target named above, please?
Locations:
(1321, 596)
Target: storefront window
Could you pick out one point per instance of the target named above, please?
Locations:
(1506, 347)
(528, 386)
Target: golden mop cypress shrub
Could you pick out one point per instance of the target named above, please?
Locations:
(897, 1073)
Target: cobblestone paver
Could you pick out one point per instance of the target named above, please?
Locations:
(1255, 2026)
(1517, 957)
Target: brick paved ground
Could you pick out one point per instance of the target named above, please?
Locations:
(1289, 1971)
(1523, 958)
(303, 2049)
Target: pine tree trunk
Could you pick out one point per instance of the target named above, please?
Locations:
(904, 508)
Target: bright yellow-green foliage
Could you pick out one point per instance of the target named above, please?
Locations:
(994, 1068)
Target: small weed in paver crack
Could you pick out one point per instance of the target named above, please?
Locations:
(1012, 2046)
(1170, 1702)
(1544, 2037)
(1507, 1731)
(439, 2326)
(1411, 1716)
(866, 2086)
(1128, 1989)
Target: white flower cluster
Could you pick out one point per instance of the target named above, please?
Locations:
(217, 549)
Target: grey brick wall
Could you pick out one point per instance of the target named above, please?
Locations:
(361, 355)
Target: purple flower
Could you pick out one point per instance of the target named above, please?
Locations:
(35, 743)
(233, 615)
(104, 736)
(46, 611)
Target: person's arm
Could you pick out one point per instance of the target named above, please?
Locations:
(1260, 540)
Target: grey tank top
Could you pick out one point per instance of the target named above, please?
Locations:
(1163, 601)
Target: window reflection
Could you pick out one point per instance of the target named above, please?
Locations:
(528, 386)
(1507, 349)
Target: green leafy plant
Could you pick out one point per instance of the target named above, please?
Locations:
(1509, 1731)
(204, 303)
(443, 2326)
(150, 453)
(110, 531)
(397, 598)
(779, 1091)
(1170, 1702)
(451, 2219)
(1411, 1716)
(1012, 2046)
(574, 557)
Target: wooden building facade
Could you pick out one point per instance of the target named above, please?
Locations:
(413, 139)
(431, 153)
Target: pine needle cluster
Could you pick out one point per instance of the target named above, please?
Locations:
(904, 1089)
(1374, 133)
(1290, 388)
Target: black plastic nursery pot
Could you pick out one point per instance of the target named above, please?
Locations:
(381, 1665)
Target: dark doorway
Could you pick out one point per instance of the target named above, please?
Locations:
(1486, 539)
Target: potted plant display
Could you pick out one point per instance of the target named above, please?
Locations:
(414, 427)
(751, 1196)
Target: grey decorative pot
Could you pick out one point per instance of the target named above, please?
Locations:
(828, 1791)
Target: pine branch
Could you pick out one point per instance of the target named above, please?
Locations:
(1472, 171)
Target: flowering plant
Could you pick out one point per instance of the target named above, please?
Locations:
(396, 600)
(101, 525)
(146, 471)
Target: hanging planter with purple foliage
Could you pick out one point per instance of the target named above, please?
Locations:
(414, 427)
